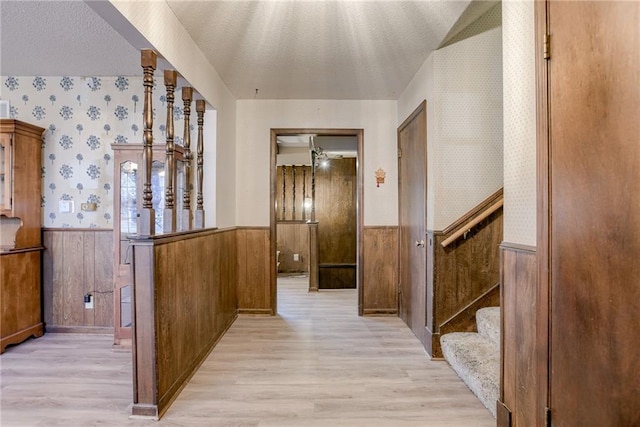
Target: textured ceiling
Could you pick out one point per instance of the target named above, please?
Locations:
(317, 49)
(303, 49)
(56, 38)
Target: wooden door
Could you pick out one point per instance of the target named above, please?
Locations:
(412, 184)
(594, 213)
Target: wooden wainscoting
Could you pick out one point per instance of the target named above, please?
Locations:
(336, 191)
(463, 276)
(77, 262)
(184, 301)
(380, 264)
(254, 270)
(518, 377)
(293, 238)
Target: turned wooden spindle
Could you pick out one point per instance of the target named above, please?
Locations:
(147, 214)
(200, 109)
(169, 215)
(187, 216)
(293, 191)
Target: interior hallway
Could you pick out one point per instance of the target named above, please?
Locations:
(316, 364)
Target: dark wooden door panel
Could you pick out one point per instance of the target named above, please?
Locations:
(412, 174)
(595, 213)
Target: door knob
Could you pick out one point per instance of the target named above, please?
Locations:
(420, 243)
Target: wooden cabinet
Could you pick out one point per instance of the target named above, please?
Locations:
(20, 232)
(127, 204)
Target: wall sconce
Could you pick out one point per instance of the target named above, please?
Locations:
(307, 204)
(380, 176)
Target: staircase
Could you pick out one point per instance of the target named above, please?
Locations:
(475, 357)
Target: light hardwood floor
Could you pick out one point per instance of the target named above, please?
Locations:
(316, 364)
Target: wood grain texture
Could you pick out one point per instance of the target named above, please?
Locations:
(519, 381)
(20, 295)
(77, 262)
(463, 277)
(254, 265)
(594, 200)
(336, 189)
(380, 284)
(26, 180)
(293, 238)
(293, 186)
(184, 300)
(317, 364)
(412, 193)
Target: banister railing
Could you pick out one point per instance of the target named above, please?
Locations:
(473, 222)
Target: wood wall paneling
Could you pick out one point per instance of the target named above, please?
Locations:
(519, 381)
(336, 190)
(463, 276)
(292, 186)
(293, 238)
(254, 258)
(380, 284)
(184, 302)
(77, 262)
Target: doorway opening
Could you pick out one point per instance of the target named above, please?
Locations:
(316, 206)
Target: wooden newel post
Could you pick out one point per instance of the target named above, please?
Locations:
(200, 109)
(146, 221)
(187, 216)
(169, 219)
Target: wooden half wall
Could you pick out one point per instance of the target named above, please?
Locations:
(77, 262)
(519, 371)
(184, 300)
(463, 276)
(256, 293)
(380, 265)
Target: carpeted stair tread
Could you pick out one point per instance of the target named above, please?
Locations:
(476, 360)
(488, 321)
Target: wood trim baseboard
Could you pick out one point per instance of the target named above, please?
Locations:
(95, 330)
(380, 312)
(255, 311)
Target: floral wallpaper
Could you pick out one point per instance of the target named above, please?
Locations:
(83, 116)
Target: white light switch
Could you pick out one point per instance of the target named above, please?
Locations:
(296, 257)
(65, 206)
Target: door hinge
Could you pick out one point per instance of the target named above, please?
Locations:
(399, 153)
(547, 46)
(547, 417)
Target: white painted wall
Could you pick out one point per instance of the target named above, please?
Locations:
(462, 84)
(255, 118)
(519, 122)
(157, 23)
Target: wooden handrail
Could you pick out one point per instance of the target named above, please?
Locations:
(467, 226)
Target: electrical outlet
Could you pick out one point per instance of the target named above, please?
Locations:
(88, 207)
(88, 301)
(296, 257)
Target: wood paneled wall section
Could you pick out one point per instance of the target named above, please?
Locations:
(293, 238)
(184, 299)
(285, 192)
(380, 284)
(254, 273)
(336, 188)
(462, 277)
(77, 262)
(518, 385)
